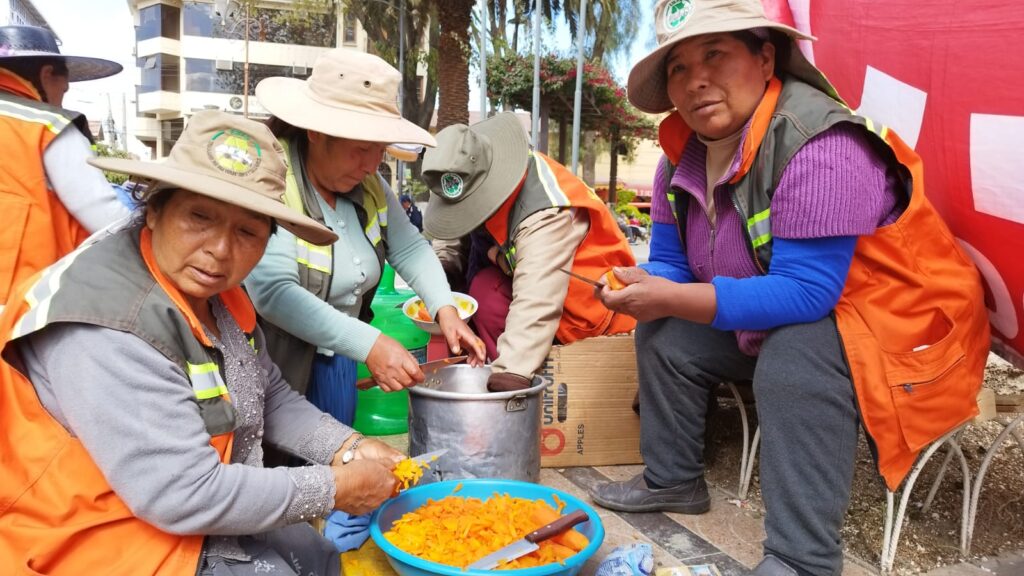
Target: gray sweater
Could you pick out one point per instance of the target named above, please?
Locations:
(134, 411)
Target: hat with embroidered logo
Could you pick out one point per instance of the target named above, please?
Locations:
(471, 173)
(228, 158)
(677, 20)
(350, 94)
(35, 43)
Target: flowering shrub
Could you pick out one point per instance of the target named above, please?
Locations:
(510, 81)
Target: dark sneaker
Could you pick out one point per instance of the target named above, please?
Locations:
(772, 566)
(633, 495)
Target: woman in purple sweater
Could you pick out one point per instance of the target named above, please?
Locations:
(741, 185)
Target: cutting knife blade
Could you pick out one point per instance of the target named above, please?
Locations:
(429, 456)
(590, 281)
(428, 368)
(529, 543)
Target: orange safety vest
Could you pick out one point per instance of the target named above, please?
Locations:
(548, 184)
(911, 317)
(38, 230)
(58, 514)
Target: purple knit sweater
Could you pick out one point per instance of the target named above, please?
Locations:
(836, 185)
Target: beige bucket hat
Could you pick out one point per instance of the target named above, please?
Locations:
(677, 20)
(471, 173)
(350, 94)
(231, 159)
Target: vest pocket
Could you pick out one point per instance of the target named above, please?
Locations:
(15, 211)
(927, 385)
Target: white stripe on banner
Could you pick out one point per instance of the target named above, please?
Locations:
(997, 166)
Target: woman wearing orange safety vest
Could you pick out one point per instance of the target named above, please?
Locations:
(793, 246)
(528, 220)
(140, 451)
(50, 198)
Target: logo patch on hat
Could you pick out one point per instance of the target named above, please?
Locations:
(234, 152)
(451, 185)
(676, 14)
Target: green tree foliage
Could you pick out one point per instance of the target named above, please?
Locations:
(105, 151)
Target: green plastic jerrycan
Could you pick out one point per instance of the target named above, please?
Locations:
(380, 413)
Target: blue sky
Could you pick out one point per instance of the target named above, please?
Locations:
(103, 28)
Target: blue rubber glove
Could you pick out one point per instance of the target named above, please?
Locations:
(347, 532)
(635, 559)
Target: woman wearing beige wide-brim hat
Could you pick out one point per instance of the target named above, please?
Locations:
(146, 388)
(335, 127)
(793, 246)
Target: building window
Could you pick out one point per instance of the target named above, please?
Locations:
(159, 72)
(226, 77)
(170, 131)
(159, 20)
(265, 25)
(350, 31)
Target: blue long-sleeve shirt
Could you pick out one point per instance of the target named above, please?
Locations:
(803, 284)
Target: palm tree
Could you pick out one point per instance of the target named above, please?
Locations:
(454, 17)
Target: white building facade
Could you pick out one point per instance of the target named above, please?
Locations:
(192, 57)
(21, 13)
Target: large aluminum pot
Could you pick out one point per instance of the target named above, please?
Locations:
(488, 435)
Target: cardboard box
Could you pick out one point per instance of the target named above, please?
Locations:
(588, 419)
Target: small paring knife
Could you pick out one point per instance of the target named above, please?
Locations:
(596, 283)
(529, 543)
(428, 369)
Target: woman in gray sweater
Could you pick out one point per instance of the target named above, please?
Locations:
(136, 368)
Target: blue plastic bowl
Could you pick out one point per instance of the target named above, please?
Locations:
(408, 565)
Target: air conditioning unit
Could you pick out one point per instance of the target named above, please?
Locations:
(300, 70)
(235, 102)
(226, 65)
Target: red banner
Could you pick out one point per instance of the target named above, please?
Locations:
(948, 76)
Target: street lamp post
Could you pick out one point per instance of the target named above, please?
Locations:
(578, 103)
(399, 164)
(221, 8)
(483, 60)
(535, 124)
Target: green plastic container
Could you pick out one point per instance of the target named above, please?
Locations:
(380, 413)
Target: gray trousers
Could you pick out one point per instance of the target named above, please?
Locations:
(806, 408)
(293, 550)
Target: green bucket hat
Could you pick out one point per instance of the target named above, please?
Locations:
(471, 173)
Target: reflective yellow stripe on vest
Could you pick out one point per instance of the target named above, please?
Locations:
(206, 380)
(54, 122)
(759, 226)
(39, 296)
(549, 182)
(312, 256)
(373, 226)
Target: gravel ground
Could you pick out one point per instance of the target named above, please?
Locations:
(929, 540)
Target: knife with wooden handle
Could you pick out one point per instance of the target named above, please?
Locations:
(428, 369)
(530, 542)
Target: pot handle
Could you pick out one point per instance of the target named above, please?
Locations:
(516, 403)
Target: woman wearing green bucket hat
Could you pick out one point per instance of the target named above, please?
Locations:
(792, 246)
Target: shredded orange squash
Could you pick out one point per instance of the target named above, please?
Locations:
(458, 531)
(408, 472)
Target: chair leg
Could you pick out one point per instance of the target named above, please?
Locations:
(972, 515)
(749, 447)
(892, 529)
